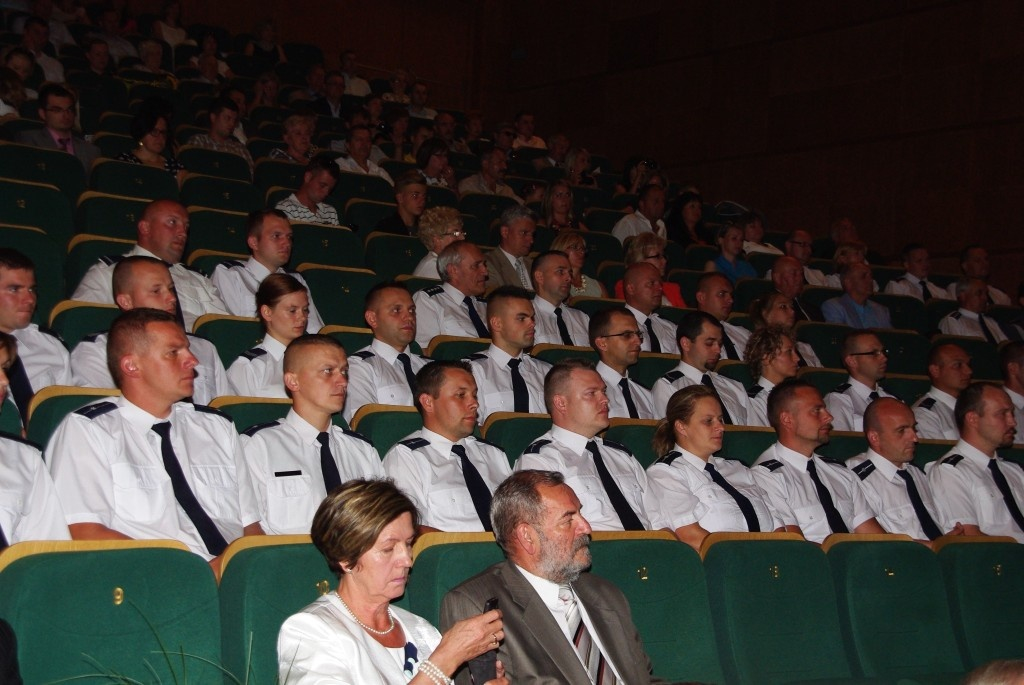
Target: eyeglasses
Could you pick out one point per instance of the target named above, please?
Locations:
(626, 335)
(656, 255)
(871, 353)
(454, 234)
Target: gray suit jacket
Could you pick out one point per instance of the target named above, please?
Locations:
(535, 650)
(501, 272)
(85, 151)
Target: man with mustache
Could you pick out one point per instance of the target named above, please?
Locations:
(456, 307)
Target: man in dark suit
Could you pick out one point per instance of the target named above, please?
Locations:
(57, 110)
(509, 264)
(562, 626)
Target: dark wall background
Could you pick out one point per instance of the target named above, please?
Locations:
(905, 115)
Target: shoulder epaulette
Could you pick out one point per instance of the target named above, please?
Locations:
(93, 410)
(477, 356)
(110, 260)
(843, 387)
(772, 464)
(672, 376)
(363, 354)
(488, 442)
(51, 332)
(92, 337)
(17, 438)
(955, 315)
(829, 460)
(253, 430)
(536, 446)
(434, 290)
(927, 403)
(667, 459)
(254, 353)
(210, 410)
(753, 391)
(619, 446)
(232, 263)
(953, 459)
(864, 469)
(414, 443)
(357, 436)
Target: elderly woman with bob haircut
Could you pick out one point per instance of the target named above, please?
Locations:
(439, 228)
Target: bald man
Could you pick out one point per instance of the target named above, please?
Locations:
(949, 369)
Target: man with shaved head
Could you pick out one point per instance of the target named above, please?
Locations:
(557, 322)
(714, 296)
(641, 287)
(162, 233)
(949, 369)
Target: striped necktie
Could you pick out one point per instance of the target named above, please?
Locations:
(593, 660)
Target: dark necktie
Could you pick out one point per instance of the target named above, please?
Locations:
(926, 294)
(984, 329)
(1004, 488)
(3, 540)
(655, 345)
(478, 490)
(873, 395)
(410, 377)
(214, 541)
(21, 389)
(798, 309)
(926, 520)
(332, 478)
(474, 316)
(730, 349)
(563, 330)
(628, 517)
(520, 393)
(744, 504)
(627, 397)
(835, 519)
(65, 145)
(705, 380)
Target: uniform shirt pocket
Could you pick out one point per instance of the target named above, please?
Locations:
(141, 493)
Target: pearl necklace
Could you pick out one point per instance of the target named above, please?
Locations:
(363, 625)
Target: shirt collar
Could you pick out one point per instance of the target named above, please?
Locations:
(884, 466)
(639, 315)
(861, 389)
(972, 453)
(1017, 399)
(966, 313)
(791, 457)
(545, 589)
(691, 372)
(543, 305)
(453, 292)
(512, 259)
(439, 442)
(500, 356)
(253, 266)
(691, 458)
(137, 416)
(943, 397)
(610, 375)
(307, 431)
(385, 351)
(765, 384)
(274, 347)
(574, 441)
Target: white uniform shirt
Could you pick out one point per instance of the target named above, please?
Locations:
(910, 285)
(259, 372)
(29, 508)
(807, 353)
(680, 492)
(107, 465)
(757, 402)
(423, 466)
(887, 495)
(348, 164)
(283, 461)
(44, 357)
(440, 311)
(427, 268)
(494, 381)
(89, 366)
(782, 475)
(750, 247)
(375, 376)
(617, 408)
(663, 328)
(1018, 414)
(296, 211)
(996, 295)
(734, 395)
(565, 451)
(966, 493)
(847, 403)
(196, 294)
(738, 336)
(576, 322)
(934, 415)
(964, 322)
(237, 283)
(636, 223)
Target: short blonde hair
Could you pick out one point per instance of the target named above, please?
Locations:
(639, 244)
(437, 220)
(296, 120)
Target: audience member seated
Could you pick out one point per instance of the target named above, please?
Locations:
(456, 307)
(753, 234)
(365, 529)
(418, 102)
(59, 36)
(148, 465)
(510, 264)
(775, 309)
(524, 124)
(316, 76)
(974, 264)
(224, 115)
(22, 63)
(895, 489)
(432, 161)
(168, 27)
(799, 246)
(558, 148)
(577, 166)
(354, 85)
(282, 304)
(684, 223)
(507, 378)
(970, 320)
(265, 53)
(237, 96)
(306, 205)
(617, 339)
(949, 369)
(152, 55)
(714, 296)
(789, 279)
(34, 39)
(816, 495)
(41, 358)
(358, 161)
(444, 130)
(853, 308)
(691, 491)
(396, 126)
(491, 179)
(330, 105)
(502, 137)
(700, 343)
(730, 262)
(647, 217)
(865, 359)
(556, 207)
(915, 282)
(145, 282)
(649, 247)
(771, 358)
(57, 109)
(12, 95)
(848, 253)
(972, 485)
(419, 132)
(150, 131)
(269, 240)
(295, 462)
(439, 227)
(399, 83)
(109, 25)
(1011, 361)
(573, 243)
(606, 474)
(265, 91)
(208, 47)
(448, 472)
(557, 322)
(298, 138)
(643, 295)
